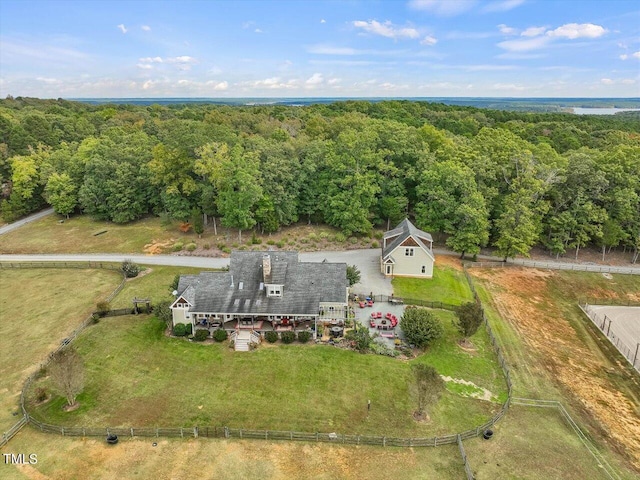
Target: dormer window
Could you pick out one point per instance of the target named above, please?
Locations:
(408, 252)
(274, 290)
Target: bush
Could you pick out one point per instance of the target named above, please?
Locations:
(469, 318)
(271, 337)
(304, 240)
(287, 337)
(378, 235)
(188, 328)
(221, 245)
(220, 335)
(206, 246)
(201, 335)
(312, 237)
(177, 246)
(304, 337)
(130, 269)
(280, 244)
(340, 237)
(361, 339)
(353, 240)
(162, 311)
(271, 242)
(235, 245)
(41, 394)
(242, 247)
(226, 250)
(255, 240)
(420, 326)
(191, 247)
(180, 330)
(375, 244)
(323, 235)
(381, 349)
(174, 283)
(102, 308)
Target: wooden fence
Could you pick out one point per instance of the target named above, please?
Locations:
(465, 462)
(602, 462)
(578, 267)
(411, 301)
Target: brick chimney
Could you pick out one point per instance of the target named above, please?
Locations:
(266, 268)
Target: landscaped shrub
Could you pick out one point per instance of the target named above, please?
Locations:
(353, 240)
(177, 246)
(130, 269)
(221, 245)
(280, 244)
(102, 308)
(255, 240)
(271, 242)
(242, 247)
(291, 241)
(188, 328)
(378, 235)
(206, 246)
(420, 326)
(304, 240)
(220, 335)
(175, 283)
(323, 235)
(191, 247)
(41, 394)
(234, 245)
(180, 330)
(287, 337)
(304, 337)
(162, 311)
(340, 237)
(381, 349)
(226, 250)
(312, 236)
(375, 244)
(271, 337)
(201, 335)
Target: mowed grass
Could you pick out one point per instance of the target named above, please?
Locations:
(448, 285)
(136, 376)
(65, 458)
(78, 235)
(39, 308)
(152, 283)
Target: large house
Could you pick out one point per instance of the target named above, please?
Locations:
(264, 291)
(407, 252)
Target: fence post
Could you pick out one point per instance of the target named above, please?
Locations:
(195, 432)
(226, 432)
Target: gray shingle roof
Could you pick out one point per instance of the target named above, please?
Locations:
(404, 230)
(305, 286)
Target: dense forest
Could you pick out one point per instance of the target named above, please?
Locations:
(479, 177)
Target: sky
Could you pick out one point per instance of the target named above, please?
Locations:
(317, 48)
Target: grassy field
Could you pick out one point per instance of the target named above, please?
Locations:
(555, 353)
(38, 308)
(153, 283)
(82, 234)
(448, 285)
(172, 382)
(64, 458)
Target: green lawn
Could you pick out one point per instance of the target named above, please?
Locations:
(448, 285)
(153, 283)
(39, 308)
(136, 376)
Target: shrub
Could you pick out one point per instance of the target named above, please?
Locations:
(323, 235)
(102, 308)
(291, 241)
(304, 337)
(162, 311)
(304, 240)
(220, 335)
(130, 269)
(375, 244)
(280, 244)
(271, 337)
(378, 235)
(41, 394)
(469, 318)
(287, 337)
(353, 240)
(226, 250)
(312, 236)
(340, 237)
(420, 326)
(201, 335)
(234, 245)
(180, 330)
(95, 318)
(242, 247)
(221, 245)
(177, 246)
(174, 283)
(191, 247)
(271, 242)
(206, 246)
(381, 349)
(361, 339)
(255, 240)
(188, 328)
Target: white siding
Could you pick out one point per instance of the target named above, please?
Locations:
(411, 266)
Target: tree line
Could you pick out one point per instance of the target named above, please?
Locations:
(475, 177)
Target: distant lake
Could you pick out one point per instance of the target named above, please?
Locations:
(602, 111)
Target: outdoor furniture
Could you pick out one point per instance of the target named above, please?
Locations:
(361, 304)
(378, 314)
(373, 314)
(388, 316)
(373, 324)
(370, 303)
(336, 331)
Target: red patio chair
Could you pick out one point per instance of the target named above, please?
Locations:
(373, 324)
(373, 314)
(361, 304)
(370, 303)
(378, 314)
(388, 316)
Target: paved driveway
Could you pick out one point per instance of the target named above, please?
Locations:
(368, 261)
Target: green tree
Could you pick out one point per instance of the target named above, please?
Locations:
(420, 326)
(197, 222)
(469, 318)
(360, 338)
(428, 387)
(61, 193)
(353, 274)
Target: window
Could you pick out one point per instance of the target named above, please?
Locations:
(240, 285)
(388, 269)
(408, 252)
(277, 292)
(424, 269)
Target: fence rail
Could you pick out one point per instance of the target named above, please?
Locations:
(9, 434)
(603, 322)
(411, 301)
(578, 267)
(602, 462)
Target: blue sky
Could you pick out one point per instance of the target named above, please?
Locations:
(307, 48)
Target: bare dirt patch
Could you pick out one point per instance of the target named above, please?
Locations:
(156, 248)
(564, 354)
(449, 261)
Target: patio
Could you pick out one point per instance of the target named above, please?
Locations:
(384, 325)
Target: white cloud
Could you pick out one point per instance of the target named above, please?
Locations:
(513, 87)
(315, 79)
(429, 40)
(322, 20)
(507, 30)
(321, 49)
(624, 56)
(218, 86)
(533, 31)
(636, 54)
(444, 8)
(519, 56)
(524, 45)
(606, 81)
(151, 60)
(333, 81)
(502, 6)
(628, 81)
(386, 29)
(47, 80)
(145, 66)
(181, 59)
(578, 30)
(122, 28)
(257, 30)
(146, 28)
